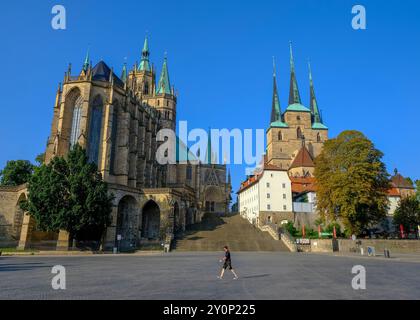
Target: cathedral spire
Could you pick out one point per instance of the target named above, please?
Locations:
(124, 72)
(164, 86)
(314, 104)
(144, 63)
(211, 157)
(275, 108)
(294, 96)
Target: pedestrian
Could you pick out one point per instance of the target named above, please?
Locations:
(227, 263)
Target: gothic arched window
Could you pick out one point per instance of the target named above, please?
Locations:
(95, 129)
(280, 136)
(299, 133)
(75, 124)
(146, 88)
(114, 131)
(318, 137)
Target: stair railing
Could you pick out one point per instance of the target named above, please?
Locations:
(288, 239)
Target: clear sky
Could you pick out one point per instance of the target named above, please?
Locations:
(220, 60)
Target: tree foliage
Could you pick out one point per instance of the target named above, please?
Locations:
(69, 194)
(352, 182)
(418, 189)
(408, 213)
(16, 172)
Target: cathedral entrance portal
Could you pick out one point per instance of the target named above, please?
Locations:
(151, 221)
(127, 223)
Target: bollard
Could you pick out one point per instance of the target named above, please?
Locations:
(362, 252)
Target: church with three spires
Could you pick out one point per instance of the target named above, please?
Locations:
(296, 136)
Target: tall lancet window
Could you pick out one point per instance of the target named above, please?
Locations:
(95, 129)
(299, 133)
(114, 146)
(75, 124)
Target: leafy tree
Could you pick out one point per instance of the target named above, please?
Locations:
(69, 194)
(408, 213)
(16, 172)
(40, 158)
(418, 189)
(352, 182)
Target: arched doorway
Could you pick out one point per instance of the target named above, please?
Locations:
(151, 221)
(18, 218)
(127, 216)
(213, 200)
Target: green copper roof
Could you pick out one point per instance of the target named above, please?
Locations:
(211, 157)
(294, 95)
(124, 73)
(164, 86)
(183, 153)
(275, 107)
(86, 63)
(144, 63)
(319, 126)
(297, 107)
(278, 124)
(314, 104)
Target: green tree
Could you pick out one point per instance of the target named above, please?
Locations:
(16, 172)
(40, 158)
(69, 194)
(418, 189)
(352, 182)
(408, 213)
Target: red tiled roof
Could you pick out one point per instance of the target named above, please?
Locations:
(300, 185)
(399, 181)
(394, 192)
(302, 159)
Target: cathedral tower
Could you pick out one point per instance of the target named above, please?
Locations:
(298, 127)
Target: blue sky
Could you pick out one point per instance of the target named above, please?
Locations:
(220, 60)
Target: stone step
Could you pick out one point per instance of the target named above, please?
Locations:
(213, 233)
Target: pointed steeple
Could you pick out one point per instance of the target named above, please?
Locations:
(314, 104)
(275, 107)
(124, 72)
(144, 63)
(315, 112)
(86, 62)
(276, 116)
(209, 151)
(211, 157)
(294, 95)
(164, 86)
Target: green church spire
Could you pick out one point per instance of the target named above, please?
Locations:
(275, 108)
(294, 96)
(124, 73)
(144, 63)
(164, 86)
(314, 104)
(86, 63)
(211, 157)
(315, 112)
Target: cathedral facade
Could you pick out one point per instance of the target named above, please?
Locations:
(117, 120)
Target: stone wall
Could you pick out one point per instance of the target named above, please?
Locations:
(350, 246)
(11, 216)
(397, 246)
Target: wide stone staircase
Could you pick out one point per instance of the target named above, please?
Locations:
(213, 233)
